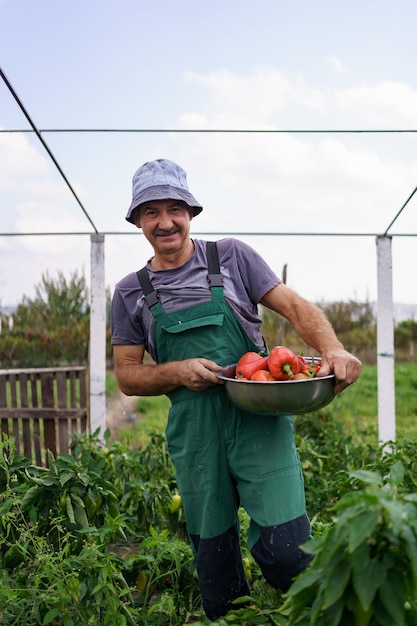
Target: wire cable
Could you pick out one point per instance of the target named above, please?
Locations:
(399, 212)
(38, 134)
(213, 130)
(210, 234)
(175, 130)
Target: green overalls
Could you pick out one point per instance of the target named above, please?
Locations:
(225, 457)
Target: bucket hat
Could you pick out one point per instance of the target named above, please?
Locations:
(160, 180)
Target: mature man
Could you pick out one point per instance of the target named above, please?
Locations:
(194, 308)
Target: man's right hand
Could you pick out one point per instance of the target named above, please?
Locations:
(136, 378)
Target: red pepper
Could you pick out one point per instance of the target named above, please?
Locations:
(312, 368)
(302, 363)
(249, 363)
(309, 371)
(283, 363)
(263, 376)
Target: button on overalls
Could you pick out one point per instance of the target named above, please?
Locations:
(224, 457)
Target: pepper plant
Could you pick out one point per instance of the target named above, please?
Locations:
(364, 570)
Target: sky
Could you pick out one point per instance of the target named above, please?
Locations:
(312, 69)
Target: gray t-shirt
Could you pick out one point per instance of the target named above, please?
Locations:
(247, 278)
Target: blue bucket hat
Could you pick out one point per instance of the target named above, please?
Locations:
(160, 180)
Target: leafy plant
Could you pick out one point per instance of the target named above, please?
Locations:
(364, 570)
(51, 586)
(70, 557)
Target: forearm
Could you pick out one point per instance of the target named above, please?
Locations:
(135, 378)
(148, 380)
(307, 319)
(314, 328)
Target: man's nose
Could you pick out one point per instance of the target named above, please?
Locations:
(165, 220)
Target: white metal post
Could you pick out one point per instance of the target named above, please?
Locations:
(385, 342)
(97, 336)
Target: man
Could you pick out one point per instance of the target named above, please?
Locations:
(194, 308)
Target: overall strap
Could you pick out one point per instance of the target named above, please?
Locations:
(151, 296)
(214, 275)
(214, 278)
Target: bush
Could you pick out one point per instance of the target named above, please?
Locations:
(100, 536)
(364, 570)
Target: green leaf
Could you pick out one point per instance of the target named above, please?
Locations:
(70, 511)
(392, 596)
(51, 458)
(316, 609)
(333, 614)
(66, 459)
(76, 498)
(411, 543)
(50, 616)
(30, 497)
(361, 528)
(337, 580)
(332, 546)
(367, 576)
(84, 478)
(81, 516)
(370, 478)
(65, 476)
(397, 473)
(308, 579)
(33, 473)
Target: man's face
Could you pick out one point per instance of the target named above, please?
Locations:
(165, 224)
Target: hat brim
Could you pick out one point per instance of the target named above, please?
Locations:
(163, 192)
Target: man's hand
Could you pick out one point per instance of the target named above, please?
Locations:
(343, 365)
(199, 374)
(135, 378)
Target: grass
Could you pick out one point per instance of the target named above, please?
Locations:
(356, 407)
(152, 417)
(111, 384)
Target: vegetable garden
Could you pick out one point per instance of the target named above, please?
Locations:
(99, 536)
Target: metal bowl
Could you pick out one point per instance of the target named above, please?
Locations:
(281, 396)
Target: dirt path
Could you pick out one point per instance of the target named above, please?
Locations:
(120, 412)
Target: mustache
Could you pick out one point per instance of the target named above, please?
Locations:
(171, 231)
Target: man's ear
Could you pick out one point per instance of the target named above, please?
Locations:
(136, 218)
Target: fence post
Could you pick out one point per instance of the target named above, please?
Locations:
(385, 342)
(97, 336)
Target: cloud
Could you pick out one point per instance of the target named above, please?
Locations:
(319, 182)
(305, 182)
(279, 182)
(20, 163)
(386, 104)
(336, 63)
(251, 99)
(47, 217)
(36, 196)
(267, 98)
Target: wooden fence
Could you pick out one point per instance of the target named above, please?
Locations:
(41, 408)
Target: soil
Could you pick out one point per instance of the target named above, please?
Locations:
(120, 412)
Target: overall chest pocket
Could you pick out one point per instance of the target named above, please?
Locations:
(196, 337)
(183, 325)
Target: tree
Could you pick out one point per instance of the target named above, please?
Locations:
(58, 303)
(51, 329)
(354, 324)
(405, 339)
(349, 316)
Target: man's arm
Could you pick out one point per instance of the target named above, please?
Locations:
(315, 329)
(135, 378)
